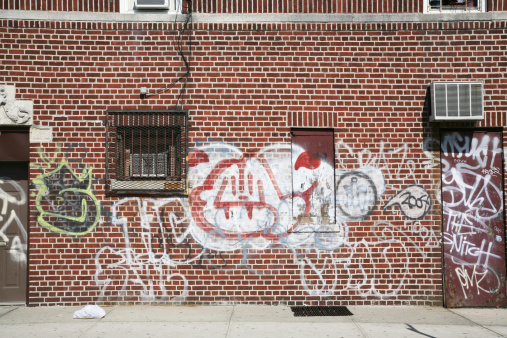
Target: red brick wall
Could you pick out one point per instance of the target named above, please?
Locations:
(321, 6)
(316, 6)
(62, 5)
(246, 6)
(249, 85)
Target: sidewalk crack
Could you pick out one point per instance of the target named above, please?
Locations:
(363, 332)
(484, 327)
(3, 314)
(229, 324)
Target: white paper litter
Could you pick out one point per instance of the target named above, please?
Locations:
(90, 312)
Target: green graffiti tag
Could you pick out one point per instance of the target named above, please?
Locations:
(66, 202)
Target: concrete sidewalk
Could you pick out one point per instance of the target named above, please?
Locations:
(252, 321)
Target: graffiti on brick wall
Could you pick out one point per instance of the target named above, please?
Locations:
(250, 202)
(65, 199)
(238, 199)
(12, 195)
(163, 232)
(413, 201)
(360, 264)
(357, 193)
(473, 213)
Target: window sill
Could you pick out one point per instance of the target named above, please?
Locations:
(159, 188)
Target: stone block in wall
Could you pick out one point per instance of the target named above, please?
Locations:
(14, 112)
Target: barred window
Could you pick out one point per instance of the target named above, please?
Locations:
(455, 5)
(146, 152)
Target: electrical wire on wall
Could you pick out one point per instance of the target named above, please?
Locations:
(180, 50)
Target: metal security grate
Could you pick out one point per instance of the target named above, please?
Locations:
(320, 311)
(146, 152)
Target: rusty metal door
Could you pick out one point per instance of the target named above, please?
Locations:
(473, 218)
(14, 155)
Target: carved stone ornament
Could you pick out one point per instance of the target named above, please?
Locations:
(14, 112)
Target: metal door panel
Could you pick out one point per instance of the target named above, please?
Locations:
(13, 231)
(313, 175)
(15, 145)
(473, 219)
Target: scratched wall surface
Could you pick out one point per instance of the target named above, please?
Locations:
(265, 221)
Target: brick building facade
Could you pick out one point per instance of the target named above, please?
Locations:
(252, 152)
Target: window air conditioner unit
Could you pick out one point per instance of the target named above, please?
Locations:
(457, 101)
(153, 4)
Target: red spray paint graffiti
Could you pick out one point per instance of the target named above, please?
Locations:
(242, 185)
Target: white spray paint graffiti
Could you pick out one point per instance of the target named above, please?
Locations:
(404, 170)
(135, 266)
(357, 193)
(473, 213)
(237, 199)
(242, 202)
(9, 220)
(239, 202)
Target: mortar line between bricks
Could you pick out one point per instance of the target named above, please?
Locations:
(468, 319)
(229, 324)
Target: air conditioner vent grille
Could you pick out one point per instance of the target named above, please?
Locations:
(151, 2)
(452, 101)
(154, 4)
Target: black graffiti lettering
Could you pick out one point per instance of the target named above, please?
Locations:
(414, 202)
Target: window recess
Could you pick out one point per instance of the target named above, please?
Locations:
(150, 6)
(146, 152)
(455, 5)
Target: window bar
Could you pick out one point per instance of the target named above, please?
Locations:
(185, 153)
(173, 153)
(107, 152)
(156, 152)
(125, 158)
(132, 140)
(149, 167)
(151, 163)
(166, 164)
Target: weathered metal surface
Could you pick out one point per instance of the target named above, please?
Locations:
(13, 231)
(14, 145)
(313, 161)
(473, 219)
(320, 311)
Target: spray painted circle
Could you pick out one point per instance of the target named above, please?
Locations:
(356, 196)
